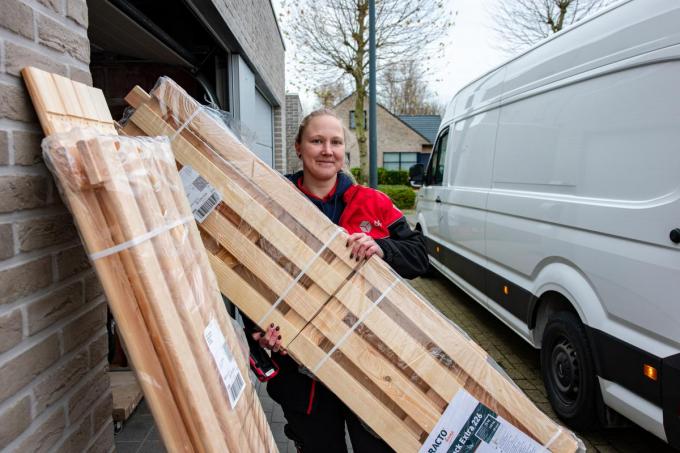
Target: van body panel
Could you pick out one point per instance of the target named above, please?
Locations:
(626, 30)
(563, 175)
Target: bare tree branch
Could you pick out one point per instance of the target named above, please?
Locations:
(332, 39)
(522, 23)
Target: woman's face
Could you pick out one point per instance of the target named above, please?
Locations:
(322, 147)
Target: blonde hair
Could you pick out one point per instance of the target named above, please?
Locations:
(316, 113)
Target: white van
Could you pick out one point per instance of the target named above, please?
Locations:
(552, 197)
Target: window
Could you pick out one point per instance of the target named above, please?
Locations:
(399, 161)
(435, 168)
(352, 122)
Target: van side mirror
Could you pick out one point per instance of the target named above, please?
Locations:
(415, 175)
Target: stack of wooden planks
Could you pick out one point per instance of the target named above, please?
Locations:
(132, 213)
(392, 358)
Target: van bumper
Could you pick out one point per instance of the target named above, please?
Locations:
(670, 398)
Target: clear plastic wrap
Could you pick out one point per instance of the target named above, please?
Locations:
(133, 216)
(400, 365)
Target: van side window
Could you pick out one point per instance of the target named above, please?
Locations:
(435, 168)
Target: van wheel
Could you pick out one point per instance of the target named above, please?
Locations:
(568, 371)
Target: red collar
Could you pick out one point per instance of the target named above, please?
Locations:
(311, 195)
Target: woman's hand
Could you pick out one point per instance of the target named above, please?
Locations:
(271, 339)
(363, 246)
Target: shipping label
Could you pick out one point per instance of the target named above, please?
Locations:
(203, 198)
(469, 426)
(226, 365)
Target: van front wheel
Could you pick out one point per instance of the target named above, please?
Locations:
(568, 372)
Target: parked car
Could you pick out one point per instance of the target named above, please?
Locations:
(552, 197)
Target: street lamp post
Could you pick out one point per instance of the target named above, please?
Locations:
(372, 113)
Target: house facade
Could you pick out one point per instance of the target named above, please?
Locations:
(55, 391)
(400, 145)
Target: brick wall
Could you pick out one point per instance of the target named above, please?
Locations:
(254, 25)
(293, 118)
(393, 134)
(280, 161)
(54, 391)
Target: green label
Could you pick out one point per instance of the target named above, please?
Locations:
(481, 425)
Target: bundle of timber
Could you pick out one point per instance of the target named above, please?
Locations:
(408, 372)
(134, 219)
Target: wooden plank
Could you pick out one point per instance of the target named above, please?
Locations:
(161, 290)
(126, 392)
(62, 104)
(400, 355)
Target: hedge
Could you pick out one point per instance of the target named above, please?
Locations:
(385, 177)
(403, 197)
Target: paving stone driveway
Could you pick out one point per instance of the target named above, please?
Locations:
(522, 362)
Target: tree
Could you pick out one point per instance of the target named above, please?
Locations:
(405, 92)
(329, 94)
(522, 23)
(332, 36)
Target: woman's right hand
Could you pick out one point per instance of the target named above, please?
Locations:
(271, 339)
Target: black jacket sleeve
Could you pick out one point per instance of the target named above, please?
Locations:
(405, 250)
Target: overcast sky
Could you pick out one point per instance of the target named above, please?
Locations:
(469, 52)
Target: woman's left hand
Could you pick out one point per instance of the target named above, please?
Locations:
(363, 246)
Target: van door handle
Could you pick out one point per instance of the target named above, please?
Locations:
(438, 199)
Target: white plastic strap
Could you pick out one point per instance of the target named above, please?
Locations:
(553, 438)
(139, 239)
(303, 271)
(354, 327)
(186, 123)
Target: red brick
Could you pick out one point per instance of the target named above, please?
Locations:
(57, 382)
(72, 261)
(10, 330)
(6, 241)
(27, 149)
(42, 232)
(85, 327)
(22, 369)
(46, 434)
(18, 57)
(14, 420)
(49, 309)
(17, 17)
(15, 103)
(57, 36)
(22, 191)
(22, 280)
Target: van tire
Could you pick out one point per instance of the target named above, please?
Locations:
(568, 371)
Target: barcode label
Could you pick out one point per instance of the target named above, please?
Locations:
(236, 387)
(226, 365)
(207, 207)
(203, 197)
(200, 183)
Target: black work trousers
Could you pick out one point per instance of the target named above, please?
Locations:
(323, 431)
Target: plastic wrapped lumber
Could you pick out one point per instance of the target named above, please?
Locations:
(403, 368)
(133, 216)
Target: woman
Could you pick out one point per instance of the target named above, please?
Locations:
(316, 417)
